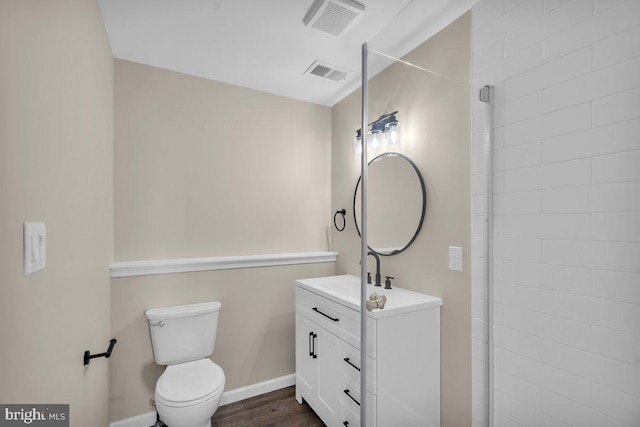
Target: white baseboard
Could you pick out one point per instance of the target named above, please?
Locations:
(144, 420)
(253, 390)
(231, 396)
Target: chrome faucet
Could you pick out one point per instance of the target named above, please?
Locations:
(375, 255)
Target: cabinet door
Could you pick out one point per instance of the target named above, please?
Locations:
(306, 366)
(327, 357)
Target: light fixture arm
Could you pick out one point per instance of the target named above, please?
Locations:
(383, 118)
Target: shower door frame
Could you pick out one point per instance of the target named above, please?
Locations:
(363, 241)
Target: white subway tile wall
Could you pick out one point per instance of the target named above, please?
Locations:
(566, 212)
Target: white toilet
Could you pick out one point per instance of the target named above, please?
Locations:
(188, 392)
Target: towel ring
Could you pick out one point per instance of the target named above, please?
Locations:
(342, 212)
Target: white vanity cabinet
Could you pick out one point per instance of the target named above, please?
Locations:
(403, 354)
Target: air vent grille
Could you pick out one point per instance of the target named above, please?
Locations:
(334, 19)
(333, 16)
(322, 69)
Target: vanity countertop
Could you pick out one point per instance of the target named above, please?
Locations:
(345, 290)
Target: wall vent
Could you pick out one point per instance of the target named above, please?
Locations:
(333, 16)
(322, 69)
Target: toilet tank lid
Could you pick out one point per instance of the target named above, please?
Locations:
(187, 310)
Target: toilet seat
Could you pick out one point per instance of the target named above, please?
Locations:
(189, 384)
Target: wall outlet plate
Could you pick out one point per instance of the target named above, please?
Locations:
(455, 258)
(35, 247)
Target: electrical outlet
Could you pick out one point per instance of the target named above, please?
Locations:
(455, 258)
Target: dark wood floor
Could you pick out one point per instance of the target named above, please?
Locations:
(278, 408)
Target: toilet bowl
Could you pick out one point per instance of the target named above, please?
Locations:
(188, 393)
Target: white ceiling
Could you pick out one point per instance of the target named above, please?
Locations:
(263, 44)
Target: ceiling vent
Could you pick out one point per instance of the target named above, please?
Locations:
(322, 69)
(333, 16)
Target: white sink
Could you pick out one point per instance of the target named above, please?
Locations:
(345, 290)
(348, 290)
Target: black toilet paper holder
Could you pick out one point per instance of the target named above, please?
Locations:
(88, 356)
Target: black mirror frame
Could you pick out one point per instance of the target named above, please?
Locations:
(424, 202)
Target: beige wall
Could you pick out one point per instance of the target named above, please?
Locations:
(435, 115)
(56, 144)
(204, 169)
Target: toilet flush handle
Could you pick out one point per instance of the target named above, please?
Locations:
(160, 323)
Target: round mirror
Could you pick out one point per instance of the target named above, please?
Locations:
(396, 202)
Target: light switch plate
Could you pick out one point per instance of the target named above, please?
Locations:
(35, 247)
(455, 258)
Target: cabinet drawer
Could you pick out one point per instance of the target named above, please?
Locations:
(347, 418)
(349, 400)
(336, 318)
(349, 362)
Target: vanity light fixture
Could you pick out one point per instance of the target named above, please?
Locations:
(384, 134)
(357, 144)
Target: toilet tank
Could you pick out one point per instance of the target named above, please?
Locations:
(183, 333)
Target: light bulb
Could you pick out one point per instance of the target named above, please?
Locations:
(357, 147)
(375, 141)
(392, 130)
